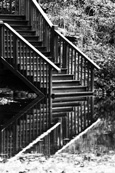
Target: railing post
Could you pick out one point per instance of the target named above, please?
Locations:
(50, 94)
(1, 139)
(28, 7)
(52, 43)
(15, 52)
(64, 61)
(1, 38)
(92, 79)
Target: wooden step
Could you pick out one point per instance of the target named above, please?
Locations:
(58, 115)
(12, 16)
(68, 94)
(21, 27)
(64, 104)
(71, 98)
(31, 38)
(69, 89)
(16, 22)
(62, 77)
(27, 33)
(60, 83)
(63, 71)
(36, 43)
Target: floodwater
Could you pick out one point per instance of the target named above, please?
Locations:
(49, 124)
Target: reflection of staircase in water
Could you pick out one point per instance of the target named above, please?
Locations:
(75, 116)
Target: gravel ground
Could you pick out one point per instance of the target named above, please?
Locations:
(62, 163)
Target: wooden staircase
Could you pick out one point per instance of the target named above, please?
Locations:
(37, 53)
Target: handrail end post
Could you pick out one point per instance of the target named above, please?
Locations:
(1, 22)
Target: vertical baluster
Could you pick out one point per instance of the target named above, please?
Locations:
(92, 79)
(15, 51)
(41, 71)
(81, 69)
(88, 76)
(1, 39)
(37, 120)
(43, 116)
(78, 111)
(75, 66)
(52, 44)
(26, 58)
(37, 71)
(5, 141)
(10, 47)
(14, 137)
(46, 73)
(19, 54)
(76, 120)
(6, 46)
(30, 64)
(92, 108)
(40, 120)
(10, 6)
(22, 58)
(2, 143)
(44, 34)
(71, 61)
(89, 112)
(84, 72)
(68, 62)
(29, 127)
(84, 119)
(68, 124)
(43, 76)
(26, 129)
(33, 65)
(2, 6)
(33, 124)
(19, 134)
(64, 54)
(78, 66)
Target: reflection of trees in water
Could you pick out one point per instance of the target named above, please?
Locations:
(98, 140)
(105, 109)
(101, 138)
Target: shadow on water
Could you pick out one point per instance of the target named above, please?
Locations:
(49, 124)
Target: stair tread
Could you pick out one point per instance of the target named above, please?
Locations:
(68, 103)
(62, 74)
(72, 93)
(12, 15)
(71, 98)
(62, 81)
(69, 87)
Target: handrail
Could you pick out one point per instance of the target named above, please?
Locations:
(77, 49)
(43, 13)
(32, 47)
